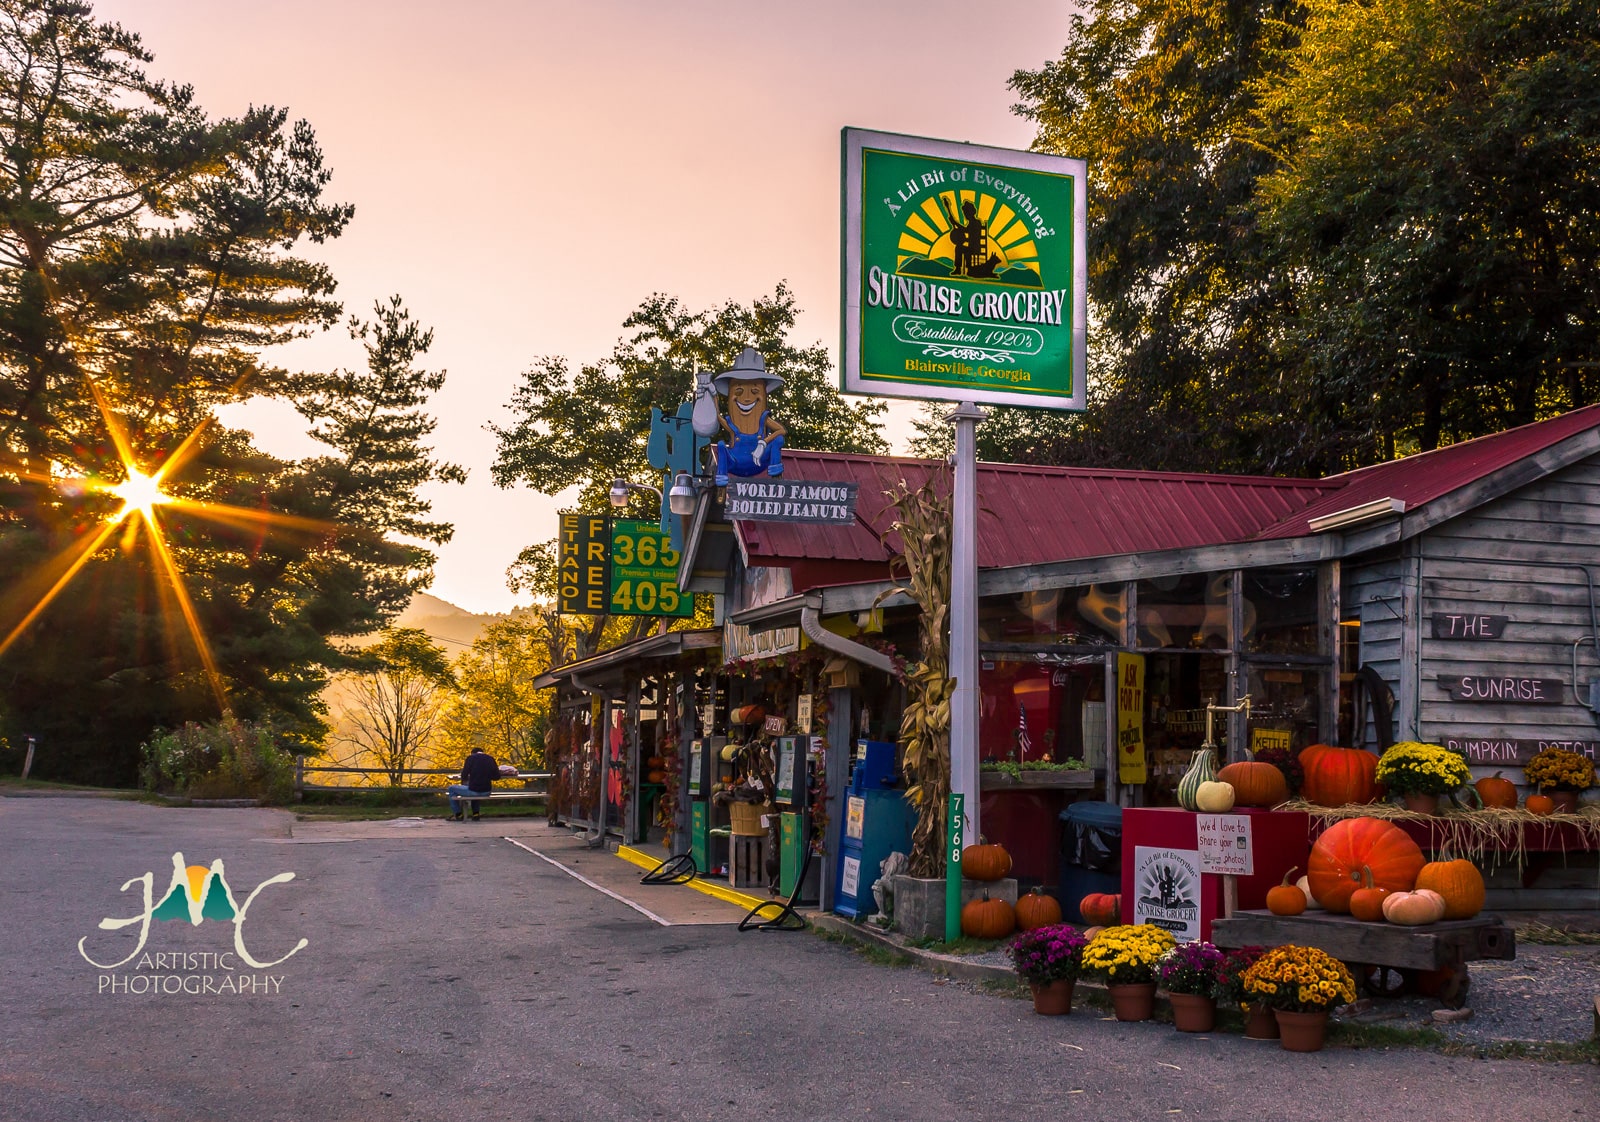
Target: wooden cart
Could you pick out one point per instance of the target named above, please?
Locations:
(1386, 959)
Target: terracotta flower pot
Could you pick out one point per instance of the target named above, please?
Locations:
(1259, 1023)
(1301, 1032)
(1134, 1002)
(1053, 999)
(1422, 804)
(1192, 1012)
(1566, 801)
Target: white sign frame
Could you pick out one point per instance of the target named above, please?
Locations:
(852, 380)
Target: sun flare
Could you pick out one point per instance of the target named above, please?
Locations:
(139, 493)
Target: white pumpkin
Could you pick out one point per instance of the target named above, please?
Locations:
(1304, 885)
(1215, 797)
(1413, 909)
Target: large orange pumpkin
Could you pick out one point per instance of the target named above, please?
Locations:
(1459, 882)
(1337, 776)
(1497, 791)
(1255, 784)
(1339, 855)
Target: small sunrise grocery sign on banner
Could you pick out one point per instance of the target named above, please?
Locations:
(965, 274)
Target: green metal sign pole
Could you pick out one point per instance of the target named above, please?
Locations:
(952, 869)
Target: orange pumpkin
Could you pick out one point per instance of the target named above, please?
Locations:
(985, 862)
(1037, 910)
(1334, 870)
(655, 777)
(1255, 784)
(1366, 902)
(984, 918)
(1497, 791)
(1540, 804)
(1102, 909)
(1459, 882)
(1286, 899)
(1337, 776)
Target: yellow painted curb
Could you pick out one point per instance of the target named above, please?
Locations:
(710, 888)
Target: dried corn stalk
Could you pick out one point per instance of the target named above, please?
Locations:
(923, 523)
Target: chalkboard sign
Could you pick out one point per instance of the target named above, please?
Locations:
(1468, 625)
(1506, 691)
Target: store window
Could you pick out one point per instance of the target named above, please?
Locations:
(1285, 705)
(1188, 612)
(1280, 611)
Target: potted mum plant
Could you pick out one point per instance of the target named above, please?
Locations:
(1189, 972)
(1564, 772)
(1125, 959)
(1259, 1023)
(1049, 958)
(1301, 984)
(1420, 773)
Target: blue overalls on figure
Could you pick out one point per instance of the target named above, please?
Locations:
(750, 453)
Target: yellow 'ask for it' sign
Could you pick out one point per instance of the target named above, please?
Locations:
(1130, 718)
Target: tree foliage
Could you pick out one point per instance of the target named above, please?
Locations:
(147, 256)
(390, 711)
(585, 429)
(1436, 194)
(496, 706)
(1323, 233)
(588, 428)
(1185, 289)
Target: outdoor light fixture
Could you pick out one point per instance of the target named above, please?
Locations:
(1352, 516)
(621, 489)
(684, 493)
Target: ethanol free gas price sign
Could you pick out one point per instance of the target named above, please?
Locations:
(644, 572)
(965, 274)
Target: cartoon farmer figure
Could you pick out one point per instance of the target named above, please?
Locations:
(755, 441)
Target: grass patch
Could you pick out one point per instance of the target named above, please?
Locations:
(381, 805)
(964, 944)
(878, 956)
(13, 782)
(1355, 1035)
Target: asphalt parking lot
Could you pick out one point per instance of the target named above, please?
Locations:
(449, 972)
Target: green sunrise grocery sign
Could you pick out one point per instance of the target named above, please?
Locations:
(965, 276)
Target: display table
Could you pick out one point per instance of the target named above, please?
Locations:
(1374, 949)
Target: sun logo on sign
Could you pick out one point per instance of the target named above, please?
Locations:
(968, 235)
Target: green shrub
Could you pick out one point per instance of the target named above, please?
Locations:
(220, 760)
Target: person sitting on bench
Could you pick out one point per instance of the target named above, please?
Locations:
(478, 774)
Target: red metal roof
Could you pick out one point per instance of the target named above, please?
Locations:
(1031, 515)
(1427, 476)
(1034, 515)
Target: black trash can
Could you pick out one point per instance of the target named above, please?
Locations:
(1091, 853)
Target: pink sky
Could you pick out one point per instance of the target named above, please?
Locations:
(524, 174)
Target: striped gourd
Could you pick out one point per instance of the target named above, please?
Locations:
(1202, 769)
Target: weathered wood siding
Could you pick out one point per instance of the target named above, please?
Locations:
(1520, 557)
(1371, 594)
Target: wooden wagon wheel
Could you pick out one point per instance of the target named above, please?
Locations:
(1383, 981)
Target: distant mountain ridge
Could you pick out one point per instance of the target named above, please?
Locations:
(443, 620)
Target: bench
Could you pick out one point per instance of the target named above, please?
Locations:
(476, 801)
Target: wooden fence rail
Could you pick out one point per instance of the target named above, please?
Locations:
(529, 779)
